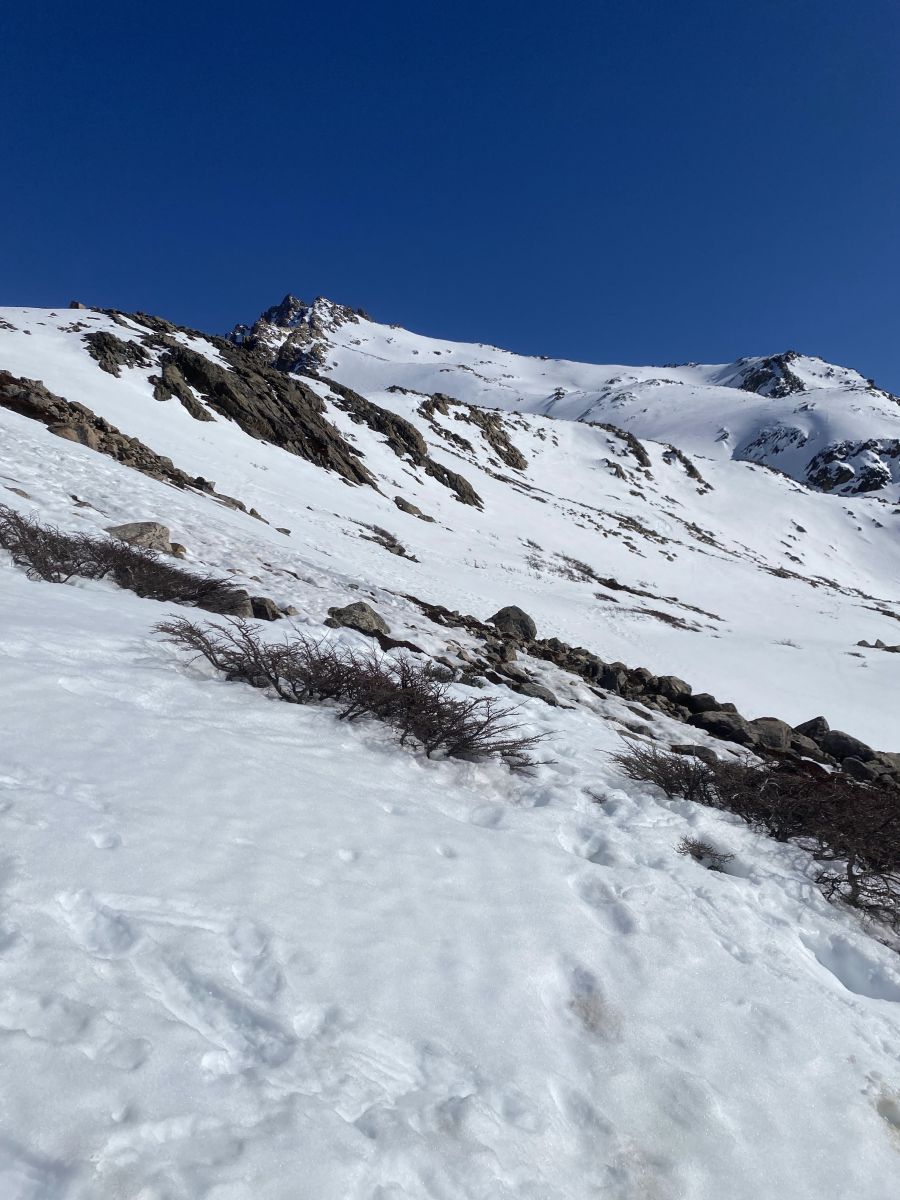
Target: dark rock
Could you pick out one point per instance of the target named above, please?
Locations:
(841, 745)
(772, 733)
(815, 729)
(359, 616)
(265, 609)
(613, 677)
(673, 688)
(77, 304)
(515, 622)
(726, 725)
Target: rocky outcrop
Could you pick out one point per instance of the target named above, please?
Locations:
(489, 423)
(731, 727)
(76, 423)
(773, 376)
(112, 353)
(403, 438)
(268, 405)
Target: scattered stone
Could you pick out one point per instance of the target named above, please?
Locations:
(359, 616)
(515, 622)
(238, 604)
(148, 535)
(731, 727)
(281, 529)
(290, 611)
(178, 550)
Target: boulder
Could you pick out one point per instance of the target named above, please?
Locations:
(148, 535)
(613, 677)
(806, 747)
(407, 507)
(359, 616)
(815, 729)
(772, 733)
(841, 745)
(514, 622)
(673, 688)
(731, 727)
(265, 609)
(886, 759)
(178, 550)
(857, 769)
(703, 702)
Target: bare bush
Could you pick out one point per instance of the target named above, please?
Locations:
(705, 854)
(854, 827)
(47, 553)
(678, 775)
(414, 699)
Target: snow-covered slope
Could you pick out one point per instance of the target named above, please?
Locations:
(247, 950)
(824, 425)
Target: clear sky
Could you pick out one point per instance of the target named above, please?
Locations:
(632, 181)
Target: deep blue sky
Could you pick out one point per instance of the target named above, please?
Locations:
(630, 181)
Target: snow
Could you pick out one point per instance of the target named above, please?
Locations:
(248, 950)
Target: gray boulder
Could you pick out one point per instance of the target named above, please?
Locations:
(148, 535)
(703, 702)
(359, 616)
(806, 747)
(731, 727)
(772, 733)
(513, 621)
(841, 745)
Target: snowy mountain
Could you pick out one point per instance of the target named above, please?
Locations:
(250, 949)
(823, 425)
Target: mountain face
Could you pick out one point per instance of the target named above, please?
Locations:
(823, 425)
(258, 933)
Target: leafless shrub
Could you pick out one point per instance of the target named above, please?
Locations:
(47, 553)
(854, 827)
(414, 699)
(705, 854)
(678, 775)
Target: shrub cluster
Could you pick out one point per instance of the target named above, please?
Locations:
(415, 699)
(47, 553)
(853, 827)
